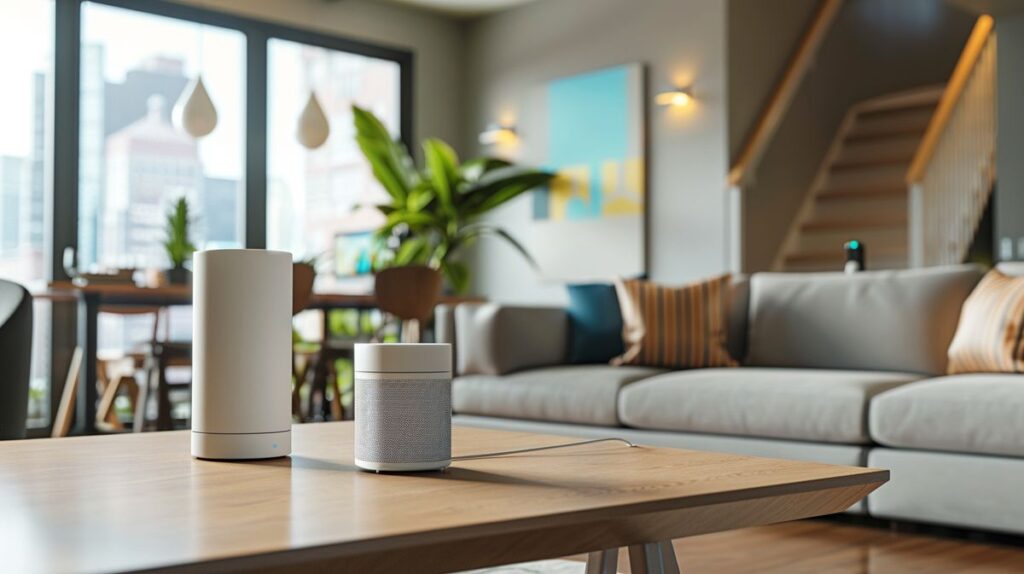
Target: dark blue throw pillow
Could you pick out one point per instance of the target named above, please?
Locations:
(595, 323)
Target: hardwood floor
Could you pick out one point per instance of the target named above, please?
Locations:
(824, 547)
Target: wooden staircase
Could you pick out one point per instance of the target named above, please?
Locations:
(859, 191)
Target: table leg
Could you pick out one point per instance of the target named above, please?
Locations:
(653, 558)
(603, 562)
(85, 408)
(163, 397)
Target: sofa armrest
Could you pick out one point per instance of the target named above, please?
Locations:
(495, 339)
(444, 328)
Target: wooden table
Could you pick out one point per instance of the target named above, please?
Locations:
(136, 502)
(91, 297)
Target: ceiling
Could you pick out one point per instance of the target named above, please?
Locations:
(463, 8)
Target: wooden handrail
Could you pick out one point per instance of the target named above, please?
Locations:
(954, 89)
(784, 93)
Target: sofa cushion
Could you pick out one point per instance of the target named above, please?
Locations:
(802, 404)
(988, 338)
(584, 394)
(979, 413)
(675, 327)
(595, 323)
(876, 320)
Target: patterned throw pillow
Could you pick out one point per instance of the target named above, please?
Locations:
(675, 327)
(988, 336)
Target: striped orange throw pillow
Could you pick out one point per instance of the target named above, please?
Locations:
(675, 327)
(988, 337)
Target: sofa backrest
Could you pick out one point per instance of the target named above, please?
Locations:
(495, 339)
(874, 320)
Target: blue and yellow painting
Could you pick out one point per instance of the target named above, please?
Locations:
(595, 146)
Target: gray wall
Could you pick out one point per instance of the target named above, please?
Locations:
(513, 54)
(875, 47)
(1009, 198)
(437, 41)
(762, 37)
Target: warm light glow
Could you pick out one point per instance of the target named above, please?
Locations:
(495, 134)
(676, 97)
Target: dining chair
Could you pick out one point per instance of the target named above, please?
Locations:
(16, 358)
(116, 371)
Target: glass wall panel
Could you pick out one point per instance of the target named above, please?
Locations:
(318, 200)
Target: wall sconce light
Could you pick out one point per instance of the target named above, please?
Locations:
(675, 97)
(495, 134)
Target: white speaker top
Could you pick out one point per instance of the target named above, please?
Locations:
(403, 358)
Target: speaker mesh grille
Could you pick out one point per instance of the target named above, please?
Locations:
(403, 420)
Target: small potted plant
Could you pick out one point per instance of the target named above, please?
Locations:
(178, 245)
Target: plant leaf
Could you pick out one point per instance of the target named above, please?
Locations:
(481, 229)
(413, 250)
(501, 185)
(419, 198)
(457, 275)
(473, 169)
(390, 161)
(410, 218)
(443, 170)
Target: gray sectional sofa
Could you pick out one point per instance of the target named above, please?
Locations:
(836, 368)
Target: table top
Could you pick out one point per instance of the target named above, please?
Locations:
(139, 501)
(122, 293)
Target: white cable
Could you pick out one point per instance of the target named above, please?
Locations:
(539, 448)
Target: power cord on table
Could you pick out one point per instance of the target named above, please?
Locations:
(539, 448)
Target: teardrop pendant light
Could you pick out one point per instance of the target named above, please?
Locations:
(194, 111)
(313, 127)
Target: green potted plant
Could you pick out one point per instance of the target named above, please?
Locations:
(434, 211)
(179, 247)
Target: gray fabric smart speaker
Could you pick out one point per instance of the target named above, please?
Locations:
(403, 407)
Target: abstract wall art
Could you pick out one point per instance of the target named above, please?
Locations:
(589, 223)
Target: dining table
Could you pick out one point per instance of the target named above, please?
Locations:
(90, 298)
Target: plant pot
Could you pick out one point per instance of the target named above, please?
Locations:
(179, 276)
(303, 277)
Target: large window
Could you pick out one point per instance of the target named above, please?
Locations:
(319, 197)
(134, 162)
(26, 67)
(92, 158)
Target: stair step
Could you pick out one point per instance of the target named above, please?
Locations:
(927, 95)
(902, 160)
(885, 114)
(883, 221)
(868, 137)
(896, 148)
(860, 207)
(897, 123)
(868, 177)
(843, 194)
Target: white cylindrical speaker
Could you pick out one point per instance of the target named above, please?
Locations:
(403, 407)
(241, 354)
